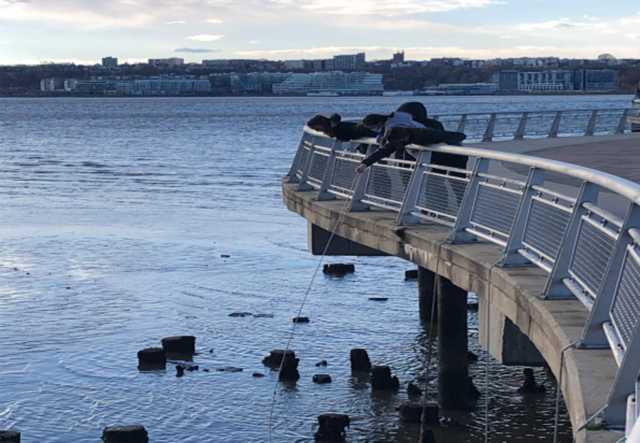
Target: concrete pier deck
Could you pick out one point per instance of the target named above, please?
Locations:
(504, 293)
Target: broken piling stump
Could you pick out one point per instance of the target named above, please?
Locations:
(179, 346)
(125, 434)
(9, 437)
(331, 427)
(381, 379)
(338, 269)
(360, 360)
(151, 359)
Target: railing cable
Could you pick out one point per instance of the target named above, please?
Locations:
(556, 417)
(305, 298)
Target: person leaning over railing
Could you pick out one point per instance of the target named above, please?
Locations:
(399, 130)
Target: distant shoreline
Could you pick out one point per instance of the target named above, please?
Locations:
(408, 97)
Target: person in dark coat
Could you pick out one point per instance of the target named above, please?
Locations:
(419, 113)
(334, 127)
(410, 124)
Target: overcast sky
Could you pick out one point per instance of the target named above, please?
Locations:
(33, 31)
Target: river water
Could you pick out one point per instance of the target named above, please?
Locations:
(115, 217)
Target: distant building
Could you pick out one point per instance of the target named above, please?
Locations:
(336, 82)
(463, 89)
(595, 80)
(294, 65)
(349, 62)
(152, 86)
(166, 62)
(51, 85)
(398, 58)
(110, 62)
(507, 81)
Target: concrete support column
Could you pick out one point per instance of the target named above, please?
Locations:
(453, 371)
(427, 294)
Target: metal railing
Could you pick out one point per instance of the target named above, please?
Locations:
(523, 205)
(487, 127)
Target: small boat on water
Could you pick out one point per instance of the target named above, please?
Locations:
(634, 119)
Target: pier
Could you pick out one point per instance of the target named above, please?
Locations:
(544, 229)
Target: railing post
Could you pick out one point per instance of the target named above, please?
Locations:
(463, 123)
(413, 190)
(593, 336)
(555, 126)
(591, 126)
(292, 175)
(361, 187)
(306, 168)
(555, 288)
(522, 126)
(511, 257)
(491, 125)
(463, 220)
(327, 177)
(622, 124)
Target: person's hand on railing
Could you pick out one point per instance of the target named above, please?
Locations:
(361, 168)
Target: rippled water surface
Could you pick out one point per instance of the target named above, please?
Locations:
(114, 218)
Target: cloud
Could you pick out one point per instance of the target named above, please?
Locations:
(389, 7)
(176, 22)
(206, 37)
(215, 21)
(197, 50)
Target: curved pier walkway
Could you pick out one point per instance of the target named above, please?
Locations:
(550, 247)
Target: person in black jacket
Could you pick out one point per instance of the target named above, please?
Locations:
(334, 127)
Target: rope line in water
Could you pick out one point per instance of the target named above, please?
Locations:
(306, 297)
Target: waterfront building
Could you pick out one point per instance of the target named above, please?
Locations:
(294, 65)
(166, 62)
(349, 62)
(507, 81)
(336, 82)
(595, 80)
(545, 81)
(51, 84)
(110, 62)
(462, 89)
(255, 83)
(152, 86)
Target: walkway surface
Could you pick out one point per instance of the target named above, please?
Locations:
(616, 154)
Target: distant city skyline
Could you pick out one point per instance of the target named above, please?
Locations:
(84, 31)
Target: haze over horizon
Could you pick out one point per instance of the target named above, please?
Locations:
(82, 31)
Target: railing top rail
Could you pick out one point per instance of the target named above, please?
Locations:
(626, 188)
(546, 111)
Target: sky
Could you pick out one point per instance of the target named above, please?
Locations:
(83, 31)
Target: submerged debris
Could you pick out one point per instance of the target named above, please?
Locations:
(378, 298)
(530, 386)
(240, 314)
(413, 391)
(321, 363)
(322, 379)
(301, 319)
